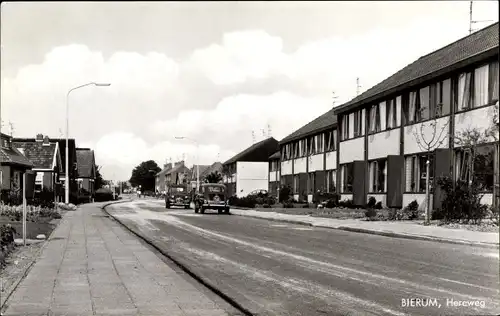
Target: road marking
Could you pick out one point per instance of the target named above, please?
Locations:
(279, 225)
(301, 228)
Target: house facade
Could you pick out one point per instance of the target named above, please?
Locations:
(179, 174)
(73, 173)
(160, 178)
(12, 165)
(249, 170)
(46, 159)
(85, 161)
(274, 174)
(387, 134)
(308, 158)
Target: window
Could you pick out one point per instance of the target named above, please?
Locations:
(319, 140)
(358, 117)
(311, 183)
(302, 147)
(374, 119)
(347, 172)
(378, 173)
(330, 181)
(311, 145)
(295, 184)
(331, 140)
(296, 150)
(480, 81)
(482, 172)
(391, 114)
(273, 166)
(345, 127)
(464, 91)
(416, 173)
(493, 82)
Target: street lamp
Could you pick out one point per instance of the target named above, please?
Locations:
(67, 133)
(198, 163)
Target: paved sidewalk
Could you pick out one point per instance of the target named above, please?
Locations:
(396, 229)
(93, 266)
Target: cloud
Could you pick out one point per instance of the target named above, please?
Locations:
(218, 94)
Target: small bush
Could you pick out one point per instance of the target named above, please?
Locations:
(305, 206)
(371, 202)
(247, 201)
(378, 205)
(371, 213)
(346, 204)
(285, 193)
(44, 198)
(393, 214)
(266, 206)
(271, 200)
(332, 203)
(495, 214)
(410, 211)
(7, 233)
(288, 205)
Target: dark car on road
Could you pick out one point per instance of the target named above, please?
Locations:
(212, 196)
(177, 195)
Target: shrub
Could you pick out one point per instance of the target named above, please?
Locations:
(393, 214)
(266, 206)
(411, 210)
(285, 193)
(288, 205)
(495, 214)
(305, 206)
(247, 201)
(378, 205)
(44, 198)
(7, 233)
(462, 202)
(371, 202)
(371, 213)
(332, 203)
(11, 197)
(346, 204)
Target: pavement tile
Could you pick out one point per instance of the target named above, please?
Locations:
(94, 263)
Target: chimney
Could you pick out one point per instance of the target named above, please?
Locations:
(39, 137)
(46, 141)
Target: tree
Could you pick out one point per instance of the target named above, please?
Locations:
(99, 181)
(143, 175)
(213, 177)
(428, 144)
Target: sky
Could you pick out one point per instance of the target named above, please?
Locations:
(220, 74)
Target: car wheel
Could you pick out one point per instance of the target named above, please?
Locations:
(219, 211)
(167, 205)
(202, 210)
(227, 210)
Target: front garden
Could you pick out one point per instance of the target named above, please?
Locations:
(461, 208)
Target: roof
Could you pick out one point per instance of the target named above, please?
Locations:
(475, 44)
(257, 152)
(177, 168)
(276, 155)
(164, 170)
(322, 122)
(62, 149)
(202, 169)
(215, 167)
(42, 156)
(12, 156)
(85, 162)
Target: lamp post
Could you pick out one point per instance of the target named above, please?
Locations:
(197, 162)
(66, 181)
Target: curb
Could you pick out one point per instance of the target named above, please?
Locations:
(15, 285)
(383, 233)
(180, 265)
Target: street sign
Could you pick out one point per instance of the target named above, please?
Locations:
(30, 184)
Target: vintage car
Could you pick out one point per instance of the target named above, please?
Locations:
(177, 195)
(212, 196)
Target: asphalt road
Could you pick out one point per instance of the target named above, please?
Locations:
(285, 269)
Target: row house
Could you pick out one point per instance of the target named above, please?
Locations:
(179, 174)
(379, 148)
(249, 170)
(12, 165)
(46, 158)
(86, 168)
(160, 178)
(308, 158)
(387, 134)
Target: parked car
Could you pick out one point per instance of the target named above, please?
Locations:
(177, 195)
(212, 196)
(258, 193)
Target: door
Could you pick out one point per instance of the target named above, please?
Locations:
(359, 183)
(395, 180)
(442, 168)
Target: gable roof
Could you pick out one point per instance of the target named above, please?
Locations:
(275, 156)
(42, 156)
(85, 162)
(319, 124)
(181, 167)
(257, 152)
(215, 167)
(484, 41)
(12, 156)
(202, 169)
(62, 150)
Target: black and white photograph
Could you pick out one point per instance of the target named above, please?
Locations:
(249, 158)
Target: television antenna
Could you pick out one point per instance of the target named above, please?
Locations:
(471, 21)
(253, 137)
(269, 130)
(334, 97)
(358, 86)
